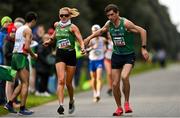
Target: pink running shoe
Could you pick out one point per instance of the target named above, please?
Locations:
(127, 108)
(119, 112)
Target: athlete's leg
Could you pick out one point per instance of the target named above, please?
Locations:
(116, 86)
(24, 77)
(93, 83)
(108, 73)
(60, 69)
(9, 89)
(32, 80)
(12, 96)
(70, 71)
(126, 86)
(15, 93)
(11, 92)
(125, 78)
(98, 81)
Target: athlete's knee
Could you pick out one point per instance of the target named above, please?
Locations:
(68, 84)
(124, 76)
(115, 84)
(24, 83)
(61, 82)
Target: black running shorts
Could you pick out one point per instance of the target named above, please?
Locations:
(66, 56)
(118, 61)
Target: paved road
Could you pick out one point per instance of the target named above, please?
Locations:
(154, 94)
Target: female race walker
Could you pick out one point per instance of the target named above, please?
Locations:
(65, 35)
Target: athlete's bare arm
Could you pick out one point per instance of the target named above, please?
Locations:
(97, 33)
(28, 39)
(78, 35)
(137, 29)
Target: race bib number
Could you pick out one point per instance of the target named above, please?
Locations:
(97, 53)
(119, 41)
(64, 43)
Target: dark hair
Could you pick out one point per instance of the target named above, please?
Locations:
(111, 7)
(30, 16)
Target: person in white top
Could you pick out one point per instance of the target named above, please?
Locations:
(20, 63)
(96, 62)
(18, 22)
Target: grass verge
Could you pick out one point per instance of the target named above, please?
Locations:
(32, 101)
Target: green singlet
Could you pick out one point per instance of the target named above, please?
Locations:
(123, 41)
(65, 39)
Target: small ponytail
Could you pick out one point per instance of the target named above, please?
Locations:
(72, 11)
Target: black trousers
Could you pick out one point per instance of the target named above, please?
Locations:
(42, 82)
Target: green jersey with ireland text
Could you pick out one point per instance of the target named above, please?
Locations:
(65, 39)
(123, 40)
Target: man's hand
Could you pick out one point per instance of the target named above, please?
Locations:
(145, 54)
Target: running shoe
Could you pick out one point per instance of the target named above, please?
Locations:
(119, 112)
(127, 108)
(25, 112)
(94, 99)
(60, 110)
(71, 107)
(109, 92)
(9, 108)
(97, 99)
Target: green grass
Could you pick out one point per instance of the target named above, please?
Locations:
(38, 100)
(2, 111)
(141, 67)
(32, 101)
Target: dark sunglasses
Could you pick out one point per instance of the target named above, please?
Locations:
(64, 15)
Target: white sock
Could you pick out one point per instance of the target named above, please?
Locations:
(98, 93)
(61, 104)
(94, 94)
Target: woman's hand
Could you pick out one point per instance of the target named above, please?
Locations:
(83, 51)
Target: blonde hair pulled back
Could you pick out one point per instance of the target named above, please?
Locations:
(72, 11)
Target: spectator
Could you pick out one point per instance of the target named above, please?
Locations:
(161, 55)
(5, 21)
(44, 68)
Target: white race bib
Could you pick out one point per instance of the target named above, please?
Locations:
(63, 43)
(97, 52)
(119, 41)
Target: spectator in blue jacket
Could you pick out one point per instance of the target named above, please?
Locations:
(5, 21)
